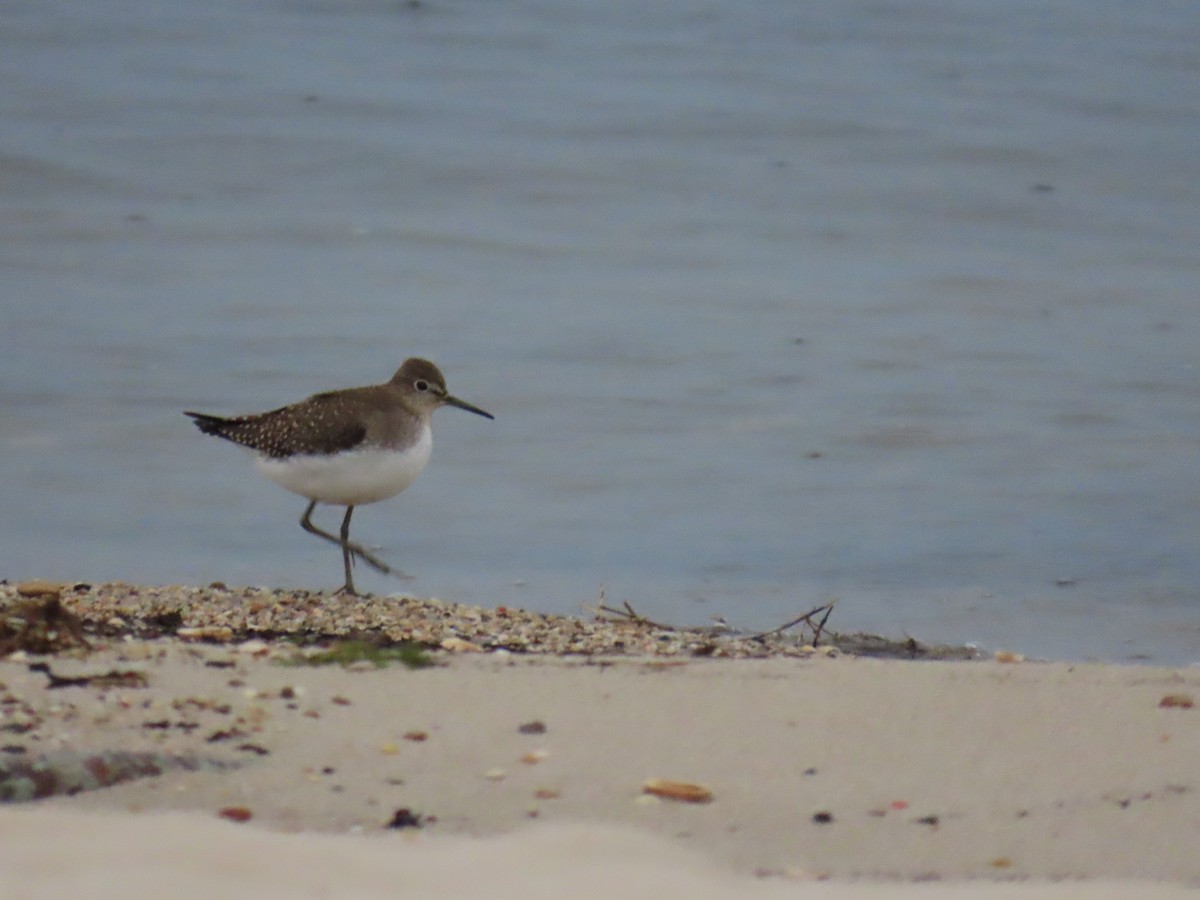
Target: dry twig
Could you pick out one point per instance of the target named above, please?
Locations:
(628, 613)
(806, 619)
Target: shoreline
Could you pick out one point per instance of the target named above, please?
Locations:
(220, 614)
(827, 771)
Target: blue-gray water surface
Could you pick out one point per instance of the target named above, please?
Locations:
(774, 302)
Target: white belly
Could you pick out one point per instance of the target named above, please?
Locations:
(350, 479)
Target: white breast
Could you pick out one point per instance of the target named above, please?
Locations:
(352, 478)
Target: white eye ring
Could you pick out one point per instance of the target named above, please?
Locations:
(421, 385)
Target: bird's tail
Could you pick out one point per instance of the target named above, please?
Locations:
(209, 424)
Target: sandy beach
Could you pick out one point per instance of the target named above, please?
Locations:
(499, 773)
(835, 535)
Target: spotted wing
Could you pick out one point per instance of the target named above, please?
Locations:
(321, 425)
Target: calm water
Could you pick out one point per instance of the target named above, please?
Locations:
(774, 302)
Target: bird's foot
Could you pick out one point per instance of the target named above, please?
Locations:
(374, 562)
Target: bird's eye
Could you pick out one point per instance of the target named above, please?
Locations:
(421, 385)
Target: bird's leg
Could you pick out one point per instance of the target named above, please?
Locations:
(349, 550)
(347, 558)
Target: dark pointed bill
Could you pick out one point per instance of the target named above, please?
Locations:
(462, 404)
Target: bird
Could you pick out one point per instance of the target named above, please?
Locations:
(346, 447)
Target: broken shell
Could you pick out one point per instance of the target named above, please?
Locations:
(458, 645)
(254, 647)
(218, 633)
(1176, 701)
(683, 791)
(39, 588)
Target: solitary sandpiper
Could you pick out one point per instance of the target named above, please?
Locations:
(348, 447)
